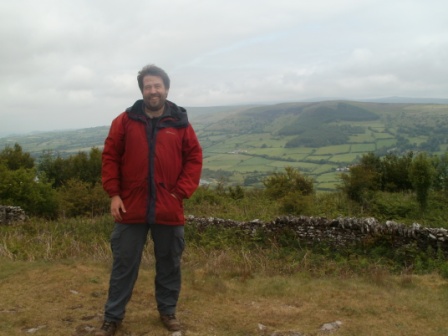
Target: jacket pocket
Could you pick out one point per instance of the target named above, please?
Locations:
(135, 202)
(169, 209)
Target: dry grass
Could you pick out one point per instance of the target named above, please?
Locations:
(54, 281)
(222, 295)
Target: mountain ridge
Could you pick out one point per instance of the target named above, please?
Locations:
(201, 110)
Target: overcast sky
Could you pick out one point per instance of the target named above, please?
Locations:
(73, 64)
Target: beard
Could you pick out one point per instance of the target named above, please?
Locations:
(153, 104)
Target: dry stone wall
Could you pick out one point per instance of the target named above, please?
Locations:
(339, 232)
(11, 214)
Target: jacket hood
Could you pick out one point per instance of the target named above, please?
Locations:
(173, 116)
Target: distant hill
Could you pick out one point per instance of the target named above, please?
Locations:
(64, 142)
(390, 100)
(242, 144)
(319, 138)
(404, 100)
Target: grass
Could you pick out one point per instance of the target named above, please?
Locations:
(298, 165)
(344, 158)
(362, 148)
(54, 281)
(333, 150)
(385, 143)
(323, 169)
(363, 138)
(221, 297)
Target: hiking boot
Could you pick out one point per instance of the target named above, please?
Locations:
(170, 322)
(109, 328)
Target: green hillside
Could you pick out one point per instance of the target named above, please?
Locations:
(242, 144)
(320, 139)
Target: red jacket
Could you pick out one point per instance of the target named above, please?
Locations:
(144, 165)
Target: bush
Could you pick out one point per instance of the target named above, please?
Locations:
(21, 188)
(79, 198)
(393, 206)
(292, 190)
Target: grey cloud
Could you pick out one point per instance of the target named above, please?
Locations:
(67, 64)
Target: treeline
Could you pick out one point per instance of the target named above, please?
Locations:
(407, 188)
(419, 174)
(54, 187)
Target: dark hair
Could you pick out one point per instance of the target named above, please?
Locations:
(152, 70)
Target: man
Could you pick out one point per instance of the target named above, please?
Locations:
(152, 160)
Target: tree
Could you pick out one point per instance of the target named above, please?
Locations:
(14, 158)
(95, 161)
(371, 161)
(82, 166)
(363, 179)
(390, 174)
(360, 183)
(440, 182)
(53, 169)
(395, 172)
(421, 174)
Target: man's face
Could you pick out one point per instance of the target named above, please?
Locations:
(154, 92)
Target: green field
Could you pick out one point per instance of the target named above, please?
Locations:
(344, 158)
(367, 137)
(322, 169)
(318, 158)
(362, 148)
(339, 149)
(245, 140)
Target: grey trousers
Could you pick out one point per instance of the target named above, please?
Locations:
(127, 242)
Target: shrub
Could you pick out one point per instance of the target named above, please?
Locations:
(21, 188)
(79, 198)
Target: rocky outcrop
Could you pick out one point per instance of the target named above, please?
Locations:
(11, 214)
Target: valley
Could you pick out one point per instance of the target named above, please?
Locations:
(243, 144)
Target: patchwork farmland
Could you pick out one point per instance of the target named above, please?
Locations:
(244, 144)
(262, 147)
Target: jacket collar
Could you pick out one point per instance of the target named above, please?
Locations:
(173, 115)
